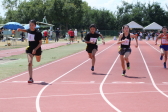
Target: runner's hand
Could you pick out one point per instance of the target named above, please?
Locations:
(103, 42)
(18, 29)
(155, 43)
(92, 42)
(34, 51)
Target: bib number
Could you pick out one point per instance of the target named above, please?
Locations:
(126, 42)
(164, 41)
(31, 37)
(93, 40)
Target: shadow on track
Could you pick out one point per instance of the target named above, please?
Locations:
(94, 73)
(134, 77)
(42, 83)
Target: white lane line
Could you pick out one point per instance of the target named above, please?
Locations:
(45, 65)
(128, 82)
(152, 47)
(101, 87)
(76, 82)
(165, 82)
(41, 91)
(150, 75)
(69, 95)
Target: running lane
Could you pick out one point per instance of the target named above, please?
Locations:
(135, 92)
(79, 90)
(21, 97)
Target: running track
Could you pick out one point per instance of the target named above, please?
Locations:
(68, 85)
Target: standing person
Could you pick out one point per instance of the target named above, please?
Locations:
(23, 36)
(125, 50)
(82, 34)
(164, 44)
(57, 35)
(91, 40)
(34, 48)
(71, 33)
(153, 35)
(76, 34)
(45, 33)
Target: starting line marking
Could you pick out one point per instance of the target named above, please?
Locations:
(128, 82)
(77, 82)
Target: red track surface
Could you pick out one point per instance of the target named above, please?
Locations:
(10, 52)
(70, 86)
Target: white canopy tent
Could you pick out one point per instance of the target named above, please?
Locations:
(133, 24)
(153, 26)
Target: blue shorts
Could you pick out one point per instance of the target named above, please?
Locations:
(165, 47)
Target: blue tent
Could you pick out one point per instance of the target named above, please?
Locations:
(13, 26)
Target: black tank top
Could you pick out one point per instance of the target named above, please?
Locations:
(127, 43)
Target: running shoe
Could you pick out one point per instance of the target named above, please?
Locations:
(92, 68)
(161, 57)
(30, 80)
(124, 71)
(164, 64)
(128, 65)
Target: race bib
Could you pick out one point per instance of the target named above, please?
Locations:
(126, 42)
(164, 41)
(93, 40)
(31, 37)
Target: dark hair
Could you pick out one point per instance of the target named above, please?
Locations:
(164, 27)
(33, 21)
(92, 25)
(125, 26)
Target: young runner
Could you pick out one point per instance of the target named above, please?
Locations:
(164, 44)
(91, 40)
(125, 50)
(34, 48)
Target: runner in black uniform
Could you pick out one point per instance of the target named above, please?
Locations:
(125, 50)
(34, 48)
(91, 40)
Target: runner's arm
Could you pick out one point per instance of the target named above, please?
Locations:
(119, 39)
(157, 39)
(22, 30)
(134, 36)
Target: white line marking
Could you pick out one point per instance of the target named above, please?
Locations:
(76, 82)
(45, 65)
(128, 82)
(152, 46)
(67, 95)
(41, 91)
(165, 82)
(101, 87)
(150, 75)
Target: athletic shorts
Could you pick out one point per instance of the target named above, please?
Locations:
(90, 49)
(124, 50)
(30, 50)
(165, 47)
(71, 36)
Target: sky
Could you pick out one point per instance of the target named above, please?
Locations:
(106, 4)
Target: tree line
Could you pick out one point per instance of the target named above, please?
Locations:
(78, 14)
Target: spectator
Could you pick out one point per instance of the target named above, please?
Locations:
(57, 35)
(75, 34)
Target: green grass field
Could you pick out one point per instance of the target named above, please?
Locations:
(20, 65)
